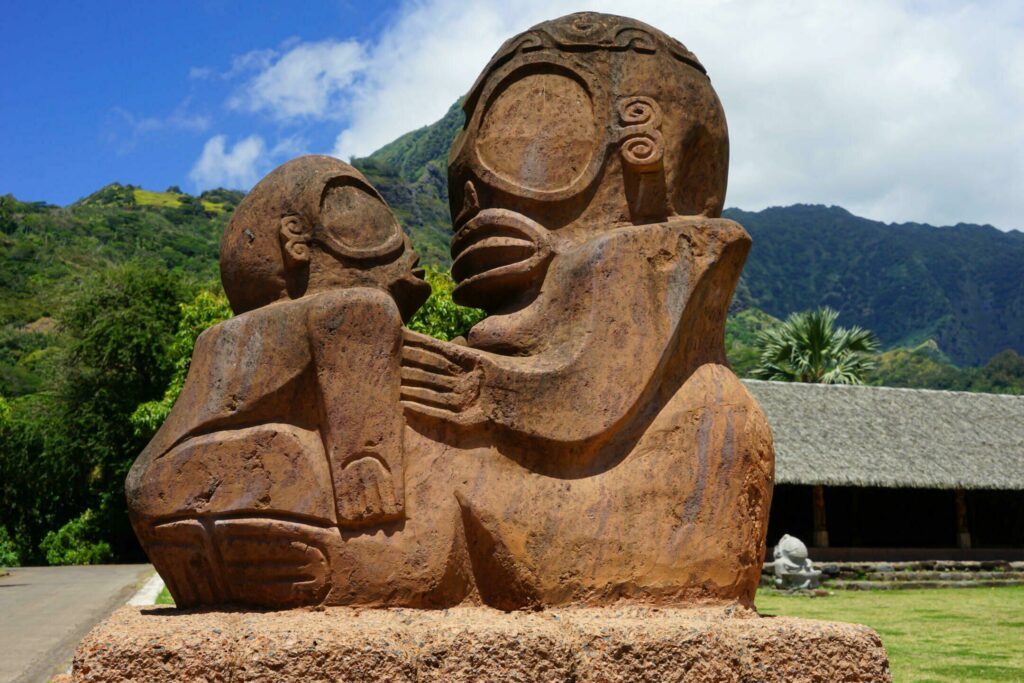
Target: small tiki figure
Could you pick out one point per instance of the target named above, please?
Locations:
(793, 568)
(288, 426)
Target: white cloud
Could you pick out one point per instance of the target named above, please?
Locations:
(237, 168)
(241, 166)
(125, 129)
(181, 118)
(425, 61)
(303, 82)
(896, 110)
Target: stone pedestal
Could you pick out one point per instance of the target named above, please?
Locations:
(476, 644)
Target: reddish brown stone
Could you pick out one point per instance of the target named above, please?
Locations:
(604, 645)
(585, 444)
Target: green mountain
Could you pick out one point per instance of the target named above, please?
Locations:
(45, 249)
(962, 286)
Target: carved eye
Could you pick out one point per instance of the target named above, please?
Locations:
(539, 132)
(356, 219)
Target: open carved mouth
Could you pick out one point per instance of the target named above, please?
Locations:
(495, 254)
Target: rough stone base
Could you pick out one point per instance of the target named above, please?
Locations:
(476, 644)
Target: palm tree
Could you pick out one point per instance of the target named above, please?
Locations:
(809, 347)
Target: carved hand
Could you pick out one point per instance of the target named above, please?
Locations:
(441, 379)
(365, 492)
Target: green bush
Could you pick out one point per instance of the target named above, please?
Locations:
(75, 543)
(8, 550)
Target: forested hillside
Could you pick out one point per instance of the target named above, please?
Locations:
(961, 286)
(45, 249)
(48, 251)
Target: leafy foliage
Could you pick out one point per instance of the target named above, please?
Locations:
(925, 367)
(741, 344)
(8, 550)
(76, 543)
(25, 358)
(114, 194)
(809, 347)
(120, 329)
(440, 317)
(68, 447)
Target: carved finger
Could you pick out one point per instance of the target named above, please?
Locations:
(415, 377)
(430, 361)
(351, 501)
(429, 397)
(371, 496)
(455, 353)
(431, 411)
(463, 417)
(386, 491)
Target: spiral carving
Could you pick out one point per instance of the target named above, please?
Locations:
(643, 150)
(295, 238)
(641, 143)
(298, 250)
(639, 111)
(635, 39)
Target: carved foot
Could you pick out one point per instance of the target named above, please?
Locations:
(260, 562)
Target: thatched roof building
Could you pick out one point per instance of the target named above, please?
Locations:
(900, 472)
(842, 435)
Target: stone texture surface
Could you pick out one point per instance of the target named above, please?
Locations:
(476, 644)
(586, 443)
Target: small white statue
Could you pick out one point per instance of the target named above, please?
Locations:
(793, 569)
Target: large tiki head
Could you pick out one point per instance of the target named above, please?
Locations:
(577, 126)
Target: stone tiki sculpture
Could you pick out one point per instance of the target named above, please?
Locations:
(793, 569)
(584, 444)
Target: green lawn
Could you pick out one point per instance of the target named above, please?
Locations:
(955, 634)
(165, 597)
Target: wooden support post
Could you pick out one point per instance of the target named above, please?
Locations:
(963, 532)
(820, 528)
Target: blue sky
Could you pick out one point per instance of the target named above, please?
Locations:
(899, 110)
(112, 91)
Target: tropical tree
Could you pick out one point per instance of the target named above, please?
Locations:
(809, 347)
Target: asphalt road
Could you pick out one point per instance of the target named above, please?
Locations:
(45, 611)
